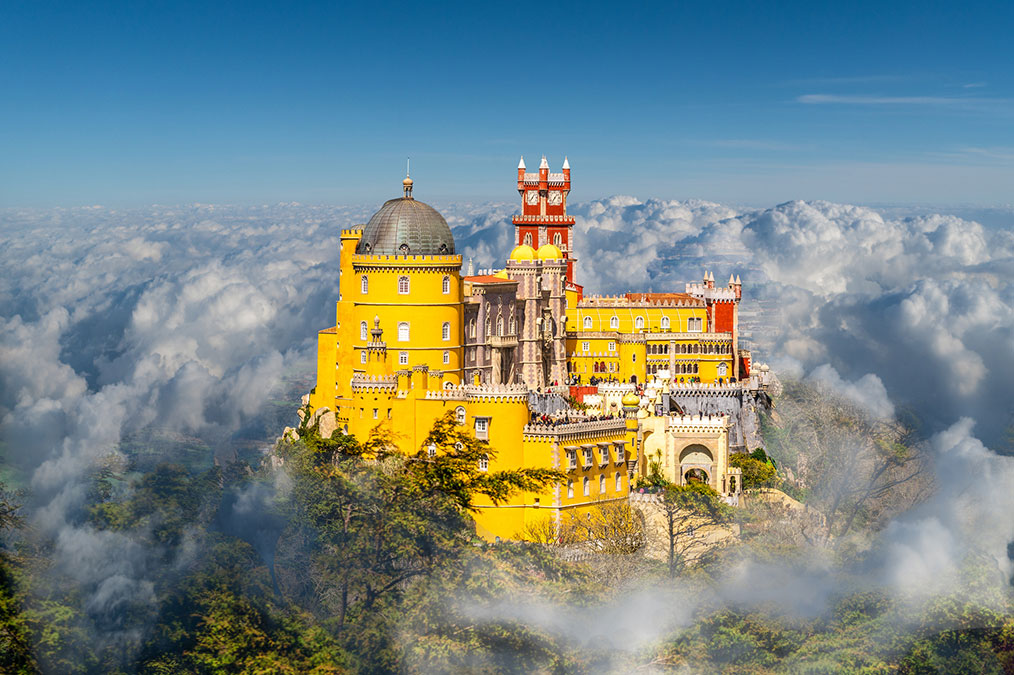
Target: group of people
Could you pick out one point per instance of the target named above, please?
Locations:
(568, 417)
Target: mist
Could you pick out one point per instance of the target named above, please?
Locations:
(191, 320)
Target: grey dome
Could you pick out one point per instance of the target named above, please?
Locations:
(406, 227)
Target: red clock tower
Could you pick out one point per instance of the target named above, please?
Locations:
(544, 218)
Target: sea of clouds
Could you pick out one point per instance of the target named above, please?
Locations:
(186, 318)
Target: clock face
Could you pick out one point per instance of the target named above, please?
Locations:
(555, 198)
(532, 196)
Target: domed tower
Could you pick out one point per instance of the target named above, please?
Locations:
(398, 275)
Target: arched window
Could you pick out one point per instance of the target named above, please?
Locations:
(722, 370)
(587, 323)
(665, 323)
(614, 323)
(602, 483)
(619, 481)
(570, 489)
(471, 328)
(364, 333)
(446, 286)
(362, 357)
(487, 333)
(557, 240)
(587, 486)
(447, 358)
(459, 415)
(528, 239)
(511, 326)
(483, 463)
(639, 323)
(499, 326)
(364, 285)
(403, 332)
(445, 331)
(403, 285)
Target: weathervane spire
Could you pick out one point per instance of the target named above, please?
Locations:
(407, 183)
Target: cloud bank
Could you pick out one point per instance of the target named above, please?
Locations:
(185, 318)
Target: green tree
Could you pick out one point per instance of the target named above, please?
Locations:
(756, 473)
(689, 512)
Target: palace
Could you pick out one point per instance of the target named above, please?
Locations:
(660, 376)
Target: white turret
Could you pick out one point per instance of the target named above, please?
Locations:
(521, 164)
(543, 164)
(566, 164)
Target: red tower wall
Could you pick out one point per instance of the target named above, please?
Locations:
(725, 316)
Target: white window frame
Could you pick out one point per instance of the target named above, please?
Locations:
(364, 331)
(604, 452)
(614, 323)
(403, 358)
(431, 451)
(483, 462)
(612, 346)
(587, 323)
(602, 483)
(586, 347)
(404, 331)
(619, 481)
(362, 356)
(695, 324)
(620, 450)
(587, 486)
(404, 285)
(460, 415)
(364, 285)
(589, 457)
(482, 428)
(639, 323)
(665, 323)
(570, 489)
(445, 285)
(723, 370)
(572, 459)
(445, 331)
(447, 358)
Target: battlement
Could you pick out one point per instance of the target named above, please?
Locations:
(571, 430)
(352, 233)
(715, 294)
(705, 388)
(698, 423)
(640, 300)
(395, 260)
(481, 392)
(374, 383)
(540, 219)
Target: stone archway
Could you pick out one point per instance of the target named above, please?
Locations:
(696, 474)
(697, 463)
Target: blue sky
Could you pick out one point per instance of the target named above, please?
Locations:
(869, 102)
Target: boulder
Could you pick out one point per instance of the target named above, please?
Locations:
(327, 423)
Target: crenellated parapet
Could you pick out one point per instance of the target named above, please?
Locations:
(374, 383)
(705, 389)
(698, 424)
(512, 393)
(570, 431)
(642, 300)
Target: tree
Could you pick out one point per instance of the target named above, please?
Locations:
(756, 473)
(689, 512)
(374, 520)
(856, 469)
(609, 527)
